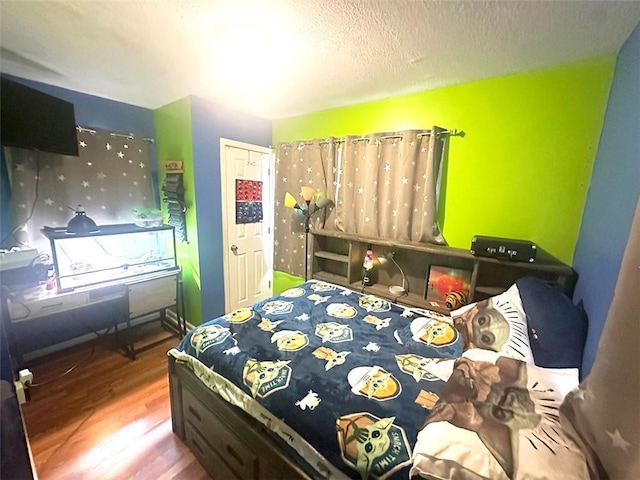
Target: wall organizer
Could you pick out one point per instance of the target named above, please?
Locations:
(173, 189)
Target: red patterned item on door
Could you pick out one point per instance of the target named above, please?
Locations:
(248, 190)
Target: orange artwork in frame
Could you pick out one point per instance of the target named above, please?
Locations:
(444, 280)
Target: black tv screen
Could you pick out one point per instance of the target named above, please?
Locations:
(35, 120)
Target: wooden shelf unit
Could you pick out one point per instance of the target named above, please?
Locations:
(338, 257)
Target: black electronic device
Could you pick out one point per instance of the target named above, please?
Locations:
(504, 248)
(35, 120)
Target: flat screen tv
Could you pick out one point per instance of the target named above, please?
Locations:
(35, 120)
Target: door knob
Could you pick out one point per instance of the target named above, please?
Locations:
(234, 249)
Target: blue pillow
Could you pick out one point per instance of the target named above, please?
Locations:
(557, 327)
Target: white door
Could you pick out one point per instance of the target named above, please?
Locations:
(247, 222)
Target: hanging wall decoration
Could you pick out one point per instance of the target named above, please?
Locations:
(173, 189)
(248, 201)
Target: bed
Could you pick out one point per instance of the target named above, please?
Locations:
(325, 382)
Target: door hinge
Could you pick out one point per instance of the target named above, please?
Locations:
(269, 283)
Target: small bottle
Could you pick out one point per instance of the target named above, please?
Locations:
(368, 265)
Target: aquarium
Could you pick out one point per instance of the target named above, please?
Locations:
(113, 254)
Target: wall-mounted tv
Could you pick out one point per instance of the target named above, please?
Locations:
(35, 120)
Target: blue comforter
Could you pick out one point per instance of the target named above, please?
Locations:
(354, 375)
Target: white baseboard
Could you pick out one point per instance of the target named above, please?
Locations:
(171, 315)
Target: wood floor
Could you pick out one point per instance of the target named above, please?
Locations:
(109, 418)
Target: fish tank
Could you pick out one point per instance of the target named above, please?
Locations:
(114, 253)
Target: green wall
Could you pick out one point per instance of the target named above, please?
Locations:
(190, 130)
(174, 142)
(522, 169)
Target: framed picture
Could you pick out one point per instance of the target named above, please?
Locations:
(441, 281)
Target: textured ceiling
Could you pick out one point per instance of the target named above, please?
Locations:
(280, 58)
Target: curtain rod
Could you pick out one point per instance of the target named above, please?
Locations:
(128, 136)
(453, 133)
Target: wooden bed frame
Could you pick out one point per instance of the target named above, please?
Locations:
(228, 442)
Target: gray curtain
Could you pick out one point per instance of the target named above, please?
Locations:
(309, 163)
(603, 414)
(383, 185)
(110, 177)
(388, 185)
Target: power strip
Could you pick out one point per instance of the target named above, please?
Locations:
(17, 258)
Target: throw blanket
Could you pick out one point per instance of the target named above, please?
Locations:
(353, 375)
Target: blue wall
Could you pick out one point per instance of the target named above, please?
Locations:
(210, 122)
(612, 198)
(98, 112)
(92, 111)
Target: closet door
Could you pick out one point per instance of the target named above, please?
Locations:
(247, 199)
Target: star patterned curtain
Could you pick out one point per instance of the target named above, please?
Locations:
(387, 186)
(602, 415)
(299, 164)
(109, 178)
(382, 185)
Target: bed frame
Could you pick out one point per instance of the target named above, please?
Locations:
(226, 441)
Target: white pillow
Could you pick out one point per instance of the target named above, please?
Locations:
(497, 418)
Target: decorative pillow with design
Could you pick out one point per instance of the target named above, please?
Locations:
(497, 323)
(498, 418)
(430, 334)
(557, 327)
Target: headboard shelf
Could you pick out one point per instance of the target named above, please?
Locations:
(338, 258)
(396, 244)
(332, 256)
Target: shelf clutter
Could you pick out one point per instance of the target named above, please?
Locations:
(338, 258)
(173, 189)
